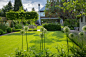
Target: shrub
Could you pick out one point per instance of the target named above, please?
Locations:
(1, 31)
(24, 23)
(18, 26)
(9, 30)
(3, 27)
(52, 27)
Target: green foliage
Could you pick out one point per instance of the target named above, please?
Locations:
(31, 15)
(70, 24)
(19, 15)
(9, 30)
(3, 26)
(5, 9)
(1, 31)
(17, 4)
(33, 9)
(33, 53)
(11, 15)
(9, 5)
(18, 26)
(52, 27)
(24, 23)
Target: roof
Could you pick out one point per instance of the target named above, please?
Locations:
(42, 9)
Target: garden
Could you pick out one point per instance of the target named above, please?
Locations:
(21, 36)
(44, 42)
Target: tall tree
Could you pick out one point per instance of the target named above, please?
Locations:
(17, 5)
(9, 5)
(33, 9)
(6, 8)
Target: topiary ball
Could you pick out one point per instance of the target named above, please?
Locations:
(9, 30)
(1, 31)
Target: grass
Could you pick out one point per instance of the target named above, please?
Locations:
(9, 43)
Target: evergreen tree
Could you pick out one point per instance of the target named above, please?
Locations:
(9, 5)
(33, 9)
(17, 5)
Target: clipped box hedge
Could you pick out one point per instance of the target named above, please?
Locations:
(52, 26)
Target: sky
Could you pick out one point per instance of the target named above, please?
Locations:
(29, 4)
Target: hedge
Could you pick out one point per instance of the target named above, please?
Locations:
(52, 26)
(19, 15)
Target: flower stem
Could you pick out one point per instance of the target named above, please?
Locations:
(26, 41)
(44, 41)
(40, 44)
(67, 43)
(22, 42)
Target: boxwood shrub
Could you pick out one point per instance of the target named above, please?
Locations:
(52, 26)
(9, 30)
(18, 26)
(1, 31)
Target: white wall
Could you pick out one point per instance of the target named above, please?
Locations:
(82, 23)
(42, 14)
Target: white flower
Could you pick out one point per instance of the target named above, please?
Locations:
(45, 30)
(66, 29)
(41, 35)
(81, 34)
(71, 35)
(26, 28)
(84, 28)
(41, 29)
(22, 32)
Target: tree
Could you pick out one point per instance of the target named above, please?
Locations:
(9, 5)
(76, 7)
(6, 8)
(17, 4)
(33, 9)
(65, 9)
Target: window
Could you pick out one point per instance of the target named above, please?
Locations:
(81, 19)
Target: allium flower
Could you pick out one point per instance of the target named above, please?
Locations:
(26, 28)
(41, 29)
(41, 35)
(66, 29)
(22, 32)
(45, 30)
(84, 28)
(71, 35)
(81, 34)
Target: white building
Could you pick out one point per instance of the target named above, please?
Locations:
(82, 22)
(42, 15)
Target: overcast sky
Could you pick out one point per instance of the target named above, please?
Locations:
(29, 4)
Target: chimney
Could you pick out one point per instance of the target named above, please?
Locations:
(38, 7)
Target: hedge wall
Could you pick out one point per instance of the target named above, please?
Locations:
(19, 15)
(52, 26)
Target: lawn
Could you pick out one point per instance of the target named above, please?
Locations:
(9, 43)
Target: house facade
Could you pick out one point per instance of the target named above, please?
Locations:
(43, 17)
